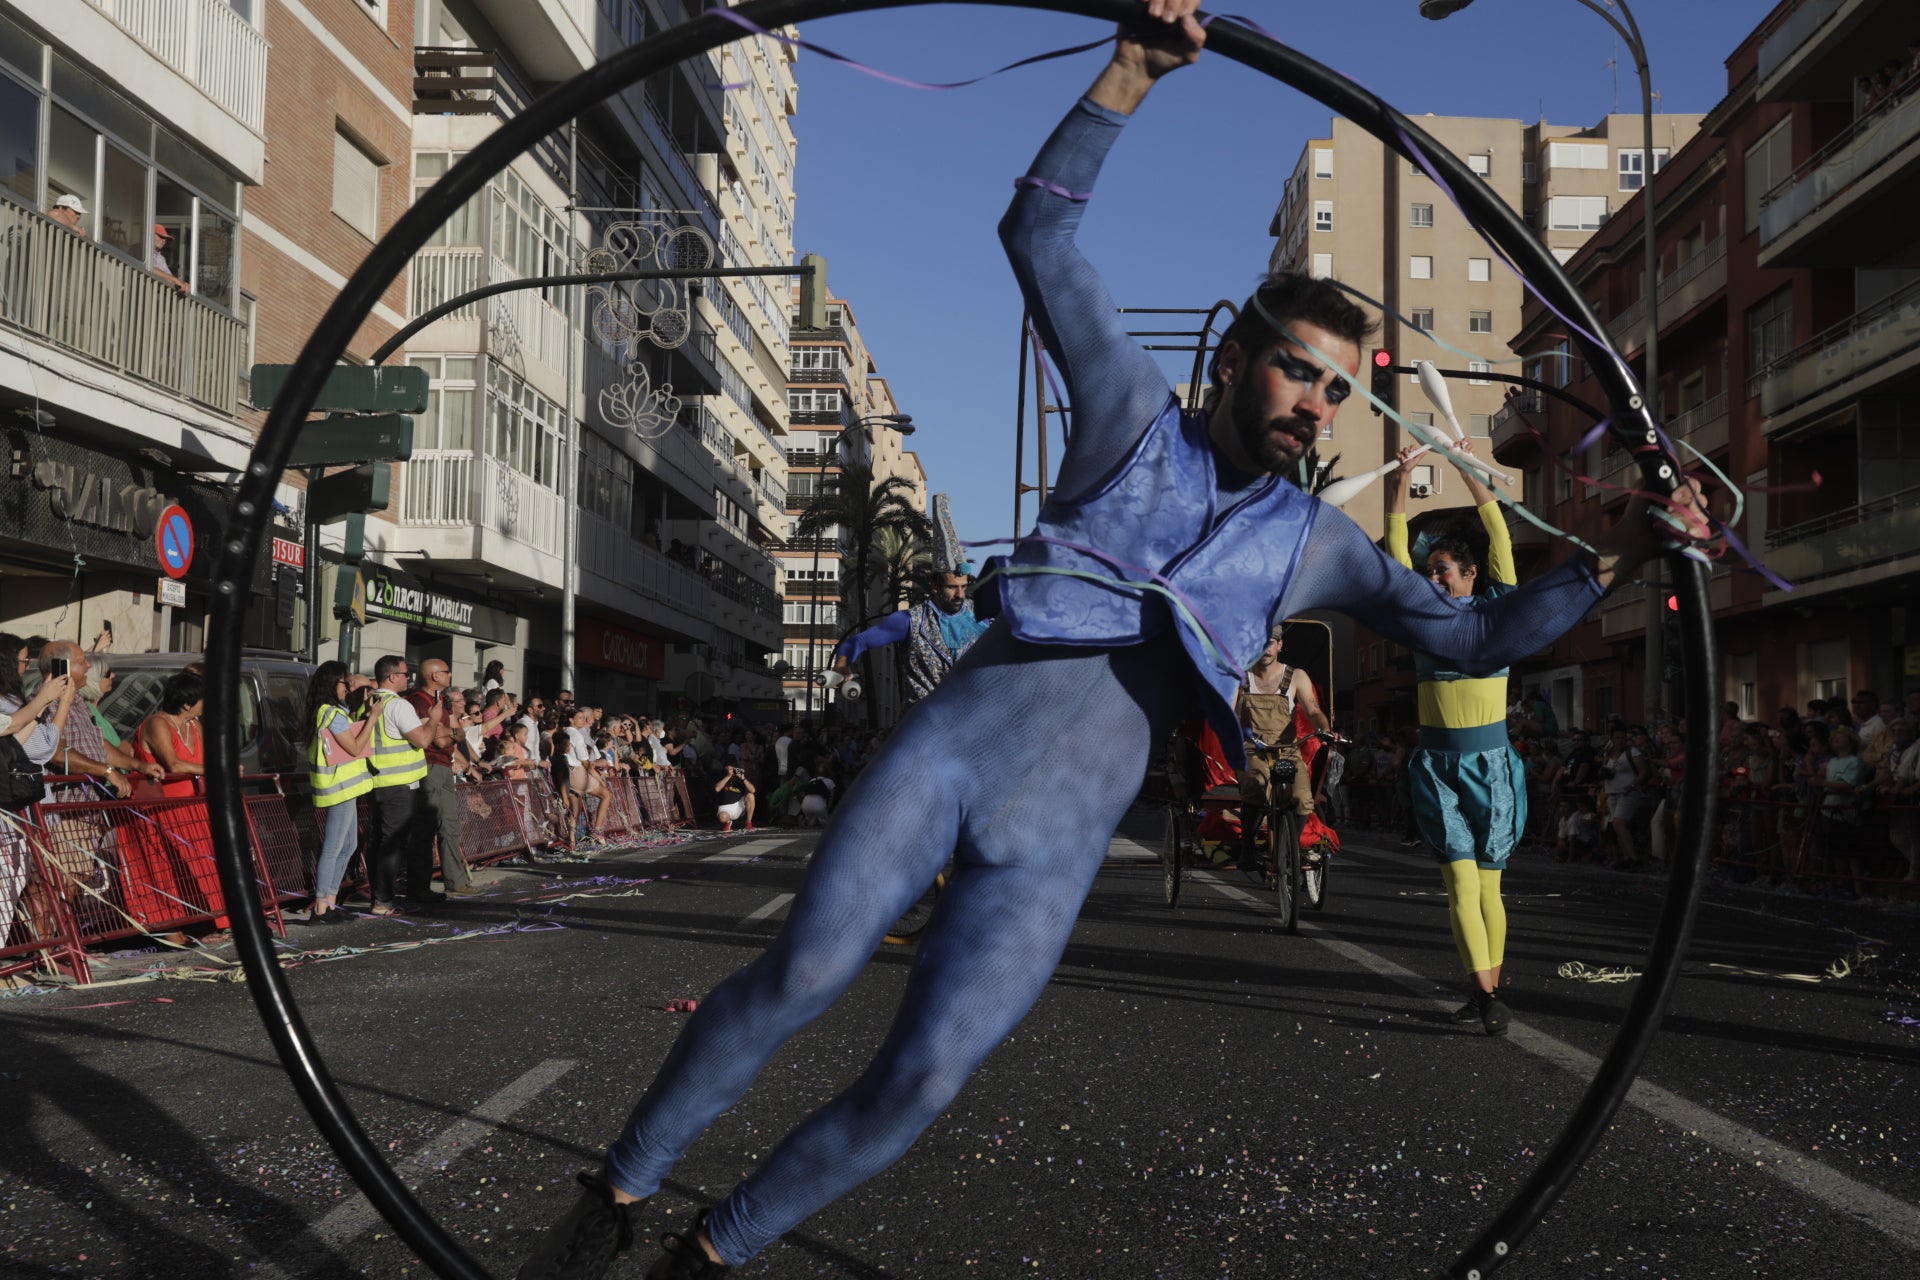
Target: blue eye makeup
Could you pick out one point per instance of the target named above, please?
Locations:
(1307, 373)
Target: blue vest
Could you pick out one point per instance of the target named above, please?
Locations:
(1155, 514)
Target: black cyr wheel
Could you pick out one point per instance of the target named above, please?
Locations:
(914, 923)
(1313, 879)
(1170, 857)
(1286, 869)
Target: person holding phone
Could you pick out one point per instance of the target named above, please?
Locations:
(83, 750)
(337, 770)
(737, 789)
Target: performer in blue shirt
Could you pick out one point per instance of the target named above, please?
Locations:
(1169, 547)
(937, 631)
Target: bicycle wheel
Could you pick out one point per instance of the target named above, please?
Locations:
(1170, 855)
(1286, 868)
(1313, 878)
(914, 922)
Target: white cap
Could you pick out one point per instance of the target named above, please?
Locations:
(71, 202)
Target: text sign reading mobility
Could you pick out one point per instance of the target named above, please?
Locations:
(357, 388)
(417, 606)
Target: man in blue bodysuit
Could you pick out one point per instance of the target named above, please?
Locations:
(1160, 560)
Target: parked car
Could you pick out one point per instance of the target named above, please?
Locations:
(273, 703)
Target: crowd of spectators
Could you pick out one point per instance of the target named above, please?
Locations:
(1827, 800)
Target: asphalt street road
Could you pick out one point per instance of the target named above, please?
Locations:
(1197, 1094)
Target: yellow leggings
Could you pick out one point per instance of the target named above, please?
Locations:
(1478, 915)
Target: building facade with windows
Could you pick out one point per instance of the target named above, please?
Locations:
(842, 411)
(153, 252)
(1789, 308)
(1376, 222)
(661, 403)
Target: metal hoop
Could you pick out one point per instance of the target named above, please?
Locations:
(1630, 422)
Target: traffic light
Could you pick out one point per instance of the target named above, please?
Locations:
(1382, 379)
(1673, 659)
(366, 488)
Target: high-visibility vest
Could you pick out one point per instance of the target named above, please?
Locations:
(334, 783)
(396, 762)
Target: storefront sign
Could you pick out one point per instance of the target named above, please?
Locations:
(415, 605)
(290, 553)
(90, 497)
(171, 593)
(601, 644)
(404, 598)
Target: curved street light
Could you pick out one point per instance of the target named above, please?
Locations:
(1629, 31)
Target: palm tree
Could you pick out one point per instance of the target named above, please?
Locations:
(905, 569)
(863, 509)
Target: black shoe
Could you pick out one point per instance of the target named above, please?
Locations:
(1494, 1015)
(583, 1245)
(1466, 1013)
(684, 1259)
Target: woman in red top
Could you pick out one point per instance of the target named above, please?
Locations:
(180, 863)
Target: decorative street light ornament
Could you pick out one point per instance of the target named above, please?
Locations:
(638, 406)
(621, 319)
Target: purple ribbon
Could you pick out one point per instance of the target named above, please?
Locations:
(1054, 187)
(855, 64)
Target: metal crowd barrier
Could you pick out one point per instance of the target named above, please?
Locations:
(86, 869)
(1804, 842)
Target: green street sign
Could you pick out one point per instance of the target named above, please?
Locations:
(356, 388)
(368, 487)
(336, 441)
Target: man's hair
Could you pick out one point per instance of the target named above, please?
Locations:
(386, 666)
(1288, 296)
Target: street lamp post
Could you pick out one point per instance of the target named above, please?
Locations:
(1629, 31)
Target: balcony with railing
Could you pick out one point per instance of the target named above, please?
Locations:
(1703, 428)
(519, 320)
(613, 554)
(1852, 201)
(1882, 533)
(87, 300)
(206, 41)
(1814, 51)
(488, 514)
(1694, 281)
(1868, 350)
(1510, 424)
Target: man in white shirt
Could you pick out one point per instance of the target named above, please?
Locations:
(657, 744)
(781, 746)
(536, 707)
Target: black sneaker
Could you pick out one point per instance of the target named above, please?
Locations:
(583, 1245)
(1466, 1013)
(684, 1259)
(1494, 1015)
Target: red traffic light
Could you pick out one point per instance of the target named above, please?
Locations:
(1382, 358)
(1673, 604)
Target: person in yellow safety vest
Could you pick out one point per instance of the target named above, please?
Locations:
(400, 738)
(337, 772)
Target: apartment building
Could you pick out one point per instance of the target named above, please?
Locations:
(127, 350)
(675, 391)
(1789, 309)
(1356, 211)
(843, 412)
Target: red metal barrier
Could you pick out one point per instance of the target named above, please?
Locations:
(1807, 843)
(490, 822)
(37, 927)
(625, 818)
(130, 867)
(543, 819)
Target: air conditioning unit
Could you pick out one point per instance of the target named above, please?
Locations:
(1420, 490)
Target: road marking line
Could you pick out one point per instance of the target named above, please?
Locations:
(761, 913)
(746, 852)
(1858, 1200)
(349, 1220)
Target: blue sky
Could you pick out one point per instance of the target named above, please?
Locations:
(900, 189)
